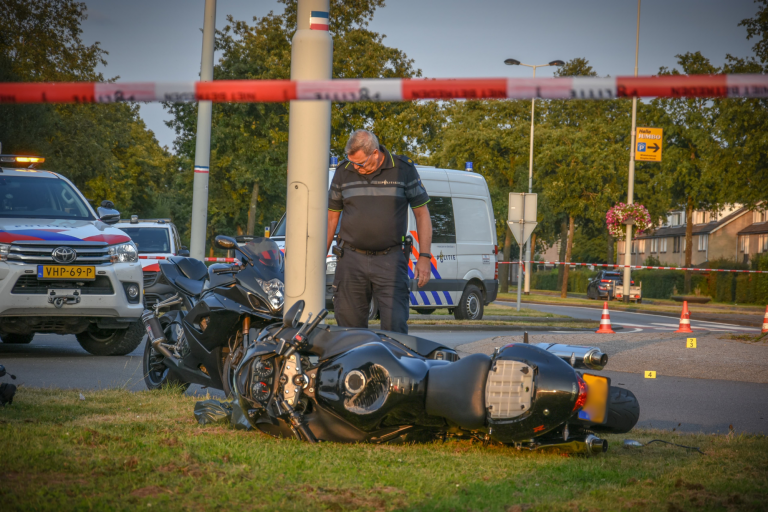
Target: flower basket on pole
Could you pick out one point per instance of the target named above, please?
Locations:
(624, 214)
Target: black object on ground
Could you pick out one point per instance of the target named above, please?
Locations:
(214, 411)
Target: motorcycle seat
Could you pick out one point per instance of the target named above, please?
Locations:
(456, 391)
(190, 286)
(190, 267)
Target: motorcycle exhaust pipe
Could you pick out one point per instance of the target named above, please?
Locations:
(156, 334)
(590, 358)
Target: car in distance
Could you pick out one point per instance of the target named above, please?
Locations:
(609, 285)
(156, 239)
(64, 268)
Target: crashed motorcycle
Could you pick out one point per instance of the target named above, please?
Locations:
(199, 335)
(325, 383)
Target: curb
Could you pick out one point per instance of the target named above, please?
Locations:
(699, 316)
(483, 327)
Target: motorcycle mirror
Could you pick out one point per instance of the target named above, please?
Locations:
(225, 242)
(292, 316)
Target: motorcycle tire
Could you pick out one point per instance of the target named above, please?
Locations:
(623, 412)
(17, 339)
(111, 342)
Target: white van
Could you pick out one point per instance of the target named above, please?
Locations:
(464, 269)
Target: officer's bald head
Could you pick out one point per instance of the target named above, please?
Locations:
(362, 140)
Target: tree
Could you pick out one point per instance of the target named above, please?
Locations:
(106, 150)
(692, 180)
(249, 142)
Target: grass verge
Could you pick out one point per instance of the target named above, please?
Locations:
(118, 450)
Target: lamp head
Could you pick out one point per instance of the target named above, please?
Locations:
(512, 62)
(556, 63)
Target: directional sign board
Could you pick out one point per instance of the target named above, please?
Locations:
(522, 215)
(648, 142)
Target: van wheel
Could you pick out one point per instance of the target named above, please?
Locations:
(373, 309)
(112, 342)
(17, 339)
(470, 307)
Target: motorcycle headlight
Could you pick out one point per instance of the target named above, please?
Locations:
(275, 290)
(123, 253)
(4, 250)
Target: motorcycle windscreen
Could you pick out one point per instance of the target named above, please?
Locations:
(266, 255)
(596, 407)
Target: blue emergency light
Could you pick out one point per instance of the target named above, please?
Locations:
(469, 167)
(334, 162)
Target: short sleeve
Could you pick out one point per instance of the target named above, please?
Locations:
(335, 202)
(415, 192)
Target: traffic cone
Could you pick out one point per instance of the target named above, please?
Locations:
(765, 321)
(685, 319)
(605, 322)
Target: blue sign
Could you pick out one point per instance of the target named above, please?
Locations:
(641, 147)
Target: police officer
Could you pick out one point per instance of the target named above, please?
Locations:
(371, 192)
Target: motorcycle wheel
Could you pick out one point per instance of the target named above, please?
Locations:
(156, 374)
(623, 412)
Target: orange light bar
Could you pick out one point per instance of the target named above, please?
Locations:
(30, 159)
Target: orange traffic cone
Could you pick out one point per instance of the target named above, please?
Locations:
(605, 322)
(685, 319)
(765, 321)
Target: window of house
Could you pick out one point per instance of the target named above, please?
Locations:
(703, 239)
(676, 244)
(744, 244)
(641, 246)
(634, 246)
(698, 217)
(654, 245)
(762, 243)
(674, 219)
(758, 217)
(662, 245)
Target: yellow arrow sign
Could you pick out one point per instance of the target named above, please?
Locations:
(648, 144)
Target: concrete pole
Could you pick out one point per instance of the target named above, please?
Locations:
(631, 185)
(309, 139)
(203, 142)
(528, 266)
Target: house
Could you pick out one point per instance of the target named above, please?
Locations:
(734, 233)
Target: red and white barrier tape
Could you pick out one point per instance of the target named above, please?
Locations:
(390, 89)
(605, 265)
(153, 257)
(223, 260)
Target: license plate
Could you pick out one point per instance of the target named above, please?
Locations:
(597, 398)
(66, 272)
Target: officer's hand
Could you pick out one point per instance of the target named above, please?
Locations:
(422, 271)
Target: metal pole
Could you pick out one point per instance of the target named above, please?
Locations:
(530, 191)
(520, 258)
(309, 138)
(631, 185)
(203, 142)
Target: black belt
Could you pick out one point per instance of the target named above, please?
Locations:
(366, 252)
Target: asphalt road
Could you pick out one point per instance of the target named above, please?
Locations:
(636, 322)
(698, 405)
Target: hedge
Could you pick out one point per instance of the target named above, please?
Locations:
(662, 284)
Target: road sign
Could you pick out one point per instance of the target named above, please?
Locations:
(522, 215)
(648, 142)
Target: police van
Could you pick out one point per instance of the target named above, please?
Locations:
(464, 269)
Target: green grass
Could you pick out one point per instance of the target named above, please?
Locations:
(118, 450)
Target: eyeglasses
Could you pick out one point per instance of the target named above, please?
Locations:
(364, 161)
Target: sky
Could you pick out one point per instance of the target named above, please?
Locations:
(161, 40)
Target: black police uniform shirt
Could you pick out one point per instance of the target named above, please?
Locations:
(375, 206)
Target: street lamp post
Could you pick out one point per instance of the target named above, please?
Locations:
(513, 62)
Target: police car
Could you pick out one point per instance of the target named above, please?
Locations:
(464, 271)
(156, 239)
(64, 268)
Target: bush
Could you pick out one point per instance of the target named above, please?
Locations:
(547, 280)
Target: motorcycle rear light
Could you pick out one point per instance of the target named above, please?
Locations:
(582, 398)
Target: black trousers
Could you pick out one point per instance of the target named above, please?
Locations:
(360, 277)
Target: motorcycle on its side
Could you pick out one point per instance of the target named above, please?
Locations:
(203, 330)
(326, 383)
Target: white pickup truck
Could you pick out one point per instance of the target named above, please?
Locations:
(64, 268)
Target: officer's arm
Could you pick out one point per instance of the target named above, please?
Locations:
(333, 221)
(424, 231)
